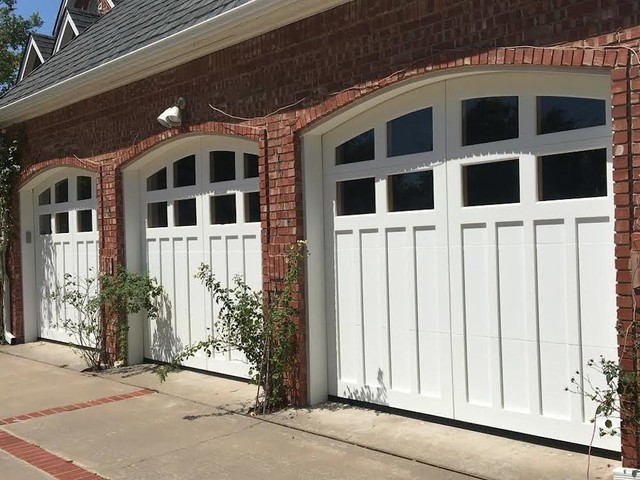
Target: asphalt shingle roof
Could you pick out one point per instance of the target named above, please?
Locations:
(83, 20)
(45, 44)
(130, 25)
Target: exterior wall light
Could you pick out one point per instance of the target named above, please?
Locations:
(172, 116)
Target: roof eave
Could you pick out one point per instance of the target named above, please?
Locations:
(230, 28)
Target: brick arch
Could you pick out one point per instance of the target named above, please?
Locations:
(34, 170)
(128, 156)
(557, 57)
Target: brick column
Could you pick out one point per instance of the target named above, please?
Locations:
(282, 225)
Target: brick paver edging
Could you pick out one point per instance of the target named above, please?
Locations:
(74, 406)
(41, 459)
(47, 462)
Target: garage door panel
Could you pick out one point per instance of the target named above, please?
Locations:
(431, 271)
(496, 292)
(556, 368)
(348, 294)
(552, 277)
(252, 259)
(401, 308)
(596, 255)
(199, 216)
(373, 291)
(512, 283)
(476, 276)
(517, 383)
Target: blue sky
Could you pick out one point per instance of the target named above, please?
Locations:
(48, 10)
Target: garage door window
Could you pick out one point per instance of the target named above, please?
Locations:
(45, 197)
(359, 149)
(252, 207)
(250, 165)
(489, 119)
(157, 181)
(184, 212)
(45, 224)
(411, 191)
(83, 187)
(184, 172)
(223, 209)
(573, 175)
(222, 166)
(492, 183)
(410, 133)
(560, 114)
(157, 215)
(85, 220)
(62, 222)
(356, 197)
(62, 191)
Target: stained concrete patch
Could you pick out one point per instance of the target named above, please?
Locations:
(13, 469)
(164, 437)
(466, 451)
(30, 386)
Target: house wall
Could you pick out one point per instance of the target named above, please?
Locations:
(355, 49)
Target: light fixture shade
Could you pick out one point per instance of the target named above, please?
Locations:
(170, 118)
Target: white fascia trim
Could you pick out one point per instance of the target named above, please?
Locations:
(31, 47)
(230, 28)
(68, 22)
(111, 4)
(622, 473)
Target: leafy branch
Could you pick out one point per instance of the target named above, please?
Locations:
(264, 334)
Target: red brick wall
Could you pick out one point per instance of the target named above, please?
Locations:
(354, 50)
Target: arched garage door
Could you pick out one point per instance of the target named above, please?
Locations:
(199, 204)
(470, 235)
(66, 243)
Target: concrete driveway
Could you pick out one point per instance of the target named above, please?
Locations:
(56, 422)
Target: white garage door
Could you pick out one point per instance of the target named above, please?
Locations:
(66, 244)
(471, 240)
(200, 204)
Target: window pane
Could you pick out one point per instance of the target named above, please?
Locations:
(411, 133)
(62, 222)
(252, 207)
(489, 119)
(250, 165)
(411, 191)
(222, 166)
(559, 114)
(45, 197)
(358, 149)
(184, 212)
(157, 215)
(573, 175)
(45, 224)
(492, 183)
(62, 191)
(223, 209)
(84, 188)
(85, 220)
(184, 172)
(356, 197)
(157, 181)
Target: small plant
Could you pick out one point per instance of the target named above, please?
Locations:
(265, 334)
(618, 384)
(86, 332)
(96, 298)
(124, 294)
